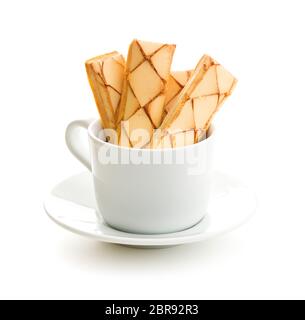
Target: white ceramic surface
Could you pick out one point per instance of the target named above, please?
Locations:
(71, 204)
(146, 198)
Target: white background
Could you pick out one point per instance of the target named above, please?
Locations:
(261, 133)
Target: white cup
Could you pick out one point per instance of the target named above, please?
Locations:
(146, 191)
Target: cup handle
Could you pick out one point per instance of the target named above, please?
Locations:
(73, 141)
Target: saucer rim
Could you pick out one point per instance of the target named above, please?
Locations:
(149, 240)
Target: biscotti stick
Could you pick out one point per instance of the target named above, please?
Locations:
(106, 75)
(182, 130)
(182, 139)
(206, 90)
(147, 73)
(175, 140)
(176, 82)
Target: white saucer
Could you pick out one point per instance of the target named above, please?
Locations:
(71, 205)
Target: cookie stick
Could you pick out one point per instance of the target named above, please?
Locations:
(142, 103)
(206, 90)
(176, 82)
(106, 75)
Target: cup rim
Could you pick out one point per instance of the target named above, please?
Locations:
(95, 138)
